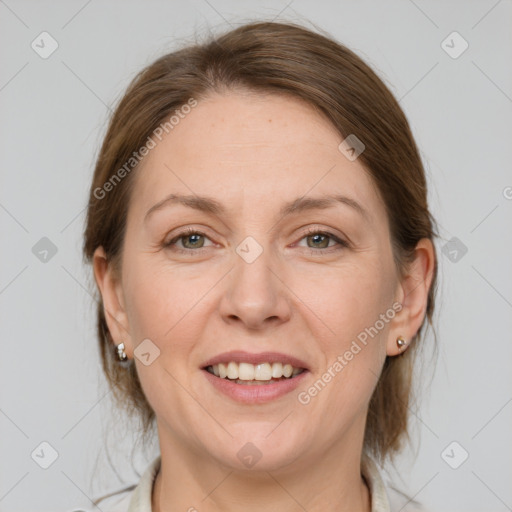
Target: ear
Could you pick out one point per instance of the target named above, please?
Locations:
(113, 303)
(412, 294)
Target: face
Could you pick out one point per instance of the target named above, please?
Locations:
(260, 270)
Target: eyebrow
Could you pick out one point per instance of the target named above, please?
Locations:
(301, 204)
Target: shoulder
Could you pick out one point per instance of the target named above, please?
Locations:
(384, 495)
(399, 501)
(114, 502)
(135, 498)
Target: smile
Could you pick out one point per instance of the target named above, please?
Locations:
(254, 378)
(254, 374)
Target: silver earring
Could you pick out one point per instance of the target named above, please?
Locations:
(121, 354)
(401, 342)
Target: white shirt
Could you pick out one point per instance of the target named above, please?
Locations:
(137, 498)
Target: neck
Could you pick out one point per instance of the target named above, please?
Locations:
(331, 483)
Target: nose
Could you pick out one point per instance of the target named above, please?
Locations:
(256, 295)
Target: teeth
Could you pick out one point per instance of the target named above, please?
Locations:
(232, 371)
(277, 370)
(245, 371)
(263, 371)
(258, 372)
(287, 370)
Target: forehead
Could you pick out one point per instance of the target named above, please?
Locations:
(243, 144)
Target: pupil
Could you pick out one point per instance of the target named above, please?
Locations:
(317, 237)
(192, 237)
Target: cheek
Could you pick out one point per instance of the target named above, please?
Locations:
(150, 307)
(348, 327)
(166, 305)
(344, 301)
(358, 309)
(169, 307)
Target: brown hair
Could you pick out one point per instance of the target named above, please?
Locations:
(280, 58)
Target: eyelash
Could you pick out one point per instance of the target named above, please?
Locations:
(315, 252)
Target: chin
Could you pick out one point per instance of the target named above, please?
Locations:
(259, 448)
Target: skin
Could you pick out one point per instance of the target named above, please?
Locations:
(304, 295)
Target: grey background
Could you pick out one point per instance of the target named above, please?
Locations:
(54, 114)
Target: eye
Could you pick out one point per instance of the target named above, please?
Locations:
(320, 240)
(191, 240)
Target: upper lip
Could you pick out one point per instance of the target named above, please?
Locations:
(239, 356)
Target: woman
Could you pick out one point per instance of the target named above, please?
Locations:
(260, 236)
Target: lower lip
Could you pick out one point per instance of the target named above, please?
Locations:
(255, 393)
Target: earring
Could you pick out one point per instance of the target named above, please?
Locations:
(401, 342)
(121, 354)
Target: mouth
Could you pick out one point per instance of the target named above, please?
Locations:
(254, 374)
(254, 378)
